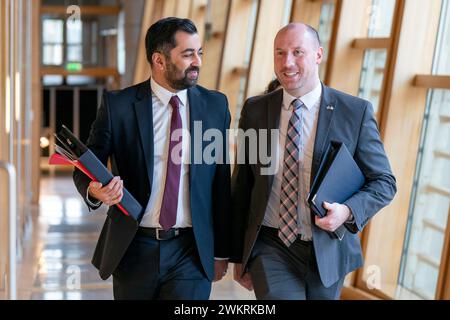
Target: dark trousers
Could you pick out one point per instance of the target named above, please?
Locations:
(281, 273)
(161, 269)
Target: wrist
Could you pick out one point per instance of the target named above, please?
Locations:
(350, 217)
(91, 199)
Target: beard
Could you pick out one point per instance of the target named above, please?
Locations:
(182, 82)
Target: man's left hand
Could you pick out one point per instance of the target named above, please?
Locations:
(337, 214)
(220, 269)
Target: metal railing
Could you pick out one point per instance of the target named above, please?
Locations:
(10, 272)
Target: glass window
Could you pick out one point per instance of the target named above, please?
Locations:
(430, 199)
(381, 13)
(324, 30)
(374, 62)
(70, 41)
(74, 53)
(74, 31)
(372, 74)
(52, 31)
(52, 41)
(52, 80)
(52, 54)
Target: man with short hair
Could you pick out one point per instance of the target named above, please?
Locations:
(180, 242)
(280, 248)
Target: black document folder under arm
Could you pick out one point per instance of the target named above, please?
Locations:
(70, 150)
(337, 179)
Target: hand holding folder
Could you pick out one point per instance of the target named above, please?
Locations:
(337, 179)
(71, 151)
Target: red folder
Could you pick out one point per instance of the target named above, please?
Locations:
(58, 159)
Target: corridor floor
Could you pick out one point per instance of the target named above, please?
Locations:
(56, 258)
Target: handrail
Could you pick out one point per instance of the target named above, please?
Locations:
(11, 289)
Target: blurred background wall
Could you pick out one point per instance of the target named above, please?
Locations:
(58, 56)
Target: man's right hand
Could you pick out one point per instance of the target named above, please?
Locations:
(245, 280)
(110, 194)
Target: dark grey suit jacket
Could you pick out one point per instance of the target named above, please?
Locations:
(351, 120)
(123, 132)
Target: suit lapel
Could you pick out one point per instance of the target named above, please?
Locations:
(326, 113)
(197, 107)
(144, 116)
(273, 122)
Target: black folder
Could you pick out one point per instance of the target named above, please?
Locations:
(337, 179)
(73, 151)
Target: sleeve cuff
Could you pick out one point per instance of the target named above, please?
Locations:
(351, 219)
(94, 204)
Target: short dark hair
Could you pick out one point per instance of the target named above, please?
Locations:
(160, 36)
(273, 85)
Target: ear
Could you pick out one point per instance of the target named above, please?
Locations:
(159, 61)
(319, 55)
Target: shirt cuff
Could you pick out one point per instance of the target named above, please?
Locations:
(92, 203)
(221, 259)
(351, 219)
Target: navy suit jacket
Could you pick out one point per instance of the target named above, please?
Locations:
(123, 133)
(350, 120)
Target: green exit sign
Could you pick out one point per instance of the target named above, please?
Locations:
(74, 66)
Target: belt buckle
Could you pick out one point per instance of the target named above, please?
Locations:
(157, 233)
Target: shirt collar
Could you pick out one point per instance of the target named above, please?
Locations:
(309, 100)
(165, 95)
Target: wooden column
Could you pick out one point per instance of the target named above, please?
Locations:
(133, 15)
(3, 72)
(197, 14)
(36, 93)
(182, 9)
(3, 143)
(344, 66)
(169, 8)
(237, 37)
(152, 12)
(213, 45)
(306, 11)
(269, 21)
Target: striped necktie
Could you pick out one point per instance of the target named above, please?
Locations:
(288, 228)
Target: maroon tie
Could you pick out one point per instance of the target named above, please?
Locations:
(168, 214)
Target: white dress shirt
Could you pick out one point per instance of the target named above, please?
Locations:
(309, 115)
(162, 113)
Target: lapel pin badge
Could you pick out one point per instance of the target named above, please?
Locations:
(330, 108)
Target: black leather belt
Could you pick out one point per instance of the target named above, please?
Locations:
(274, 232)
(161, 234)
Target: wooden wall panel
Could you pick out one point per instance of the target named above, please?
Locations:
(169, 8)
(269, 21)
(153, 10)
(36, 93)
(344, 66)
(182, 9)
(403, 113)
(234, 57)
(3, 144)
(3, 71)
(213, 45)
(306, 11)
(197, 14)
